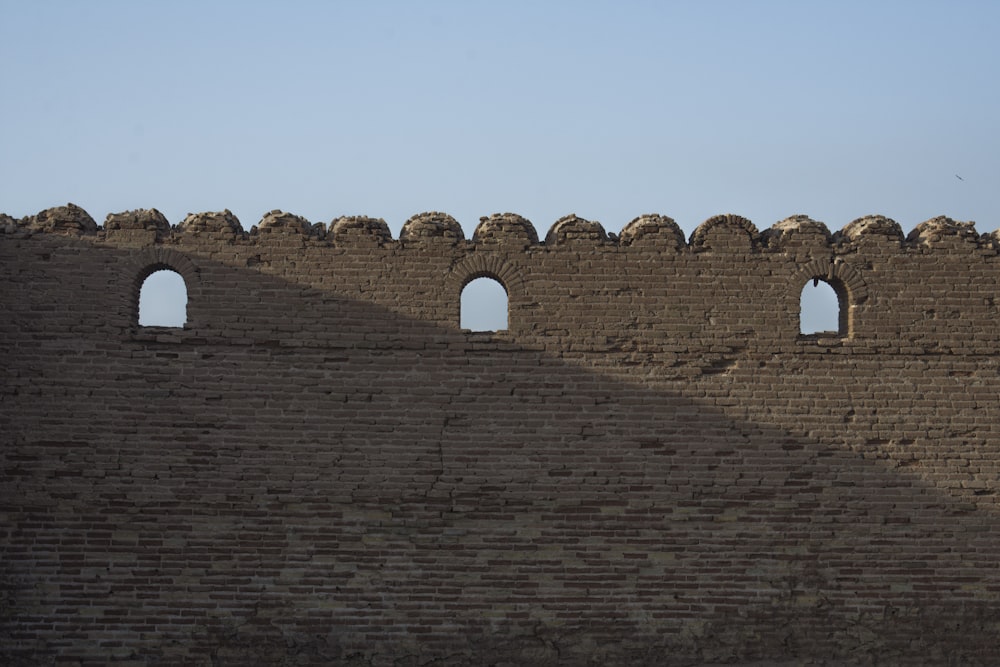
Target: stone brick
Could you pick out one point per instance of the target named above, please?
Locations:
(651, 465)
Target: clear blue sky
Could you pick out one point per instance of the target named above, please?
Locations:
(605, 109)
(608, 110)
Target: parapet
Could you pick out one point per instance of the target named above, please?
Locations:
(720, 233)
(933, 288)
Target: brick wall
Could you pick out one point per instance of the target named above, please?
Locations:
(650, 466)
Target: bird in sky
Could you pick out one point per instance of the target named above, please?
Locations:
(959, 177)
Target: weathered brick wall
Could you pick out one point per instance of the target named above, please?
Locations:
(651, 466)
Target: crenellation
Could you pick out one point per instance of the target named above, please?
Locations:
(797, 231)
(221, 225)
(68, 219)
(425, 227)
(571, 230)
(651, 465)
(731, 232)
(8, 224)
(138, 228)
(725, 233)
(872, 226)
(353, 230)
(943, 232)
(654, 232)
(278, 222)
(149, 220)
(506, 229)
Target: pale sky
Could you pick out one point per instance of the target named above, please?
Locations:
(604, 109)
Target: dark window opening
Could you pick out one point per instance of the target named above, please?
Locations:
(163, 300)
(484, 305)
(821, 309)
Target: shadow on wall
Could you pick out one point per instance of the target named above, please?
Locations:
(394, 488)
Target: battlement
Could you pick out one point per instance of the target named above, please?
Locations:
(509, 229)
(579, 290)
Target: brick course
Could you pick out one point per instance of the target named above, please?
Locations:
(650, 466)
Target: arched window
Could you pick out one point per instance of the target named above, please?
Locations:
(484, 305)
(163, 300)
(822, 309)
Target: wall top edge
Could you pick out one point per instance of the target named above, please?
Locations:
(434, 227)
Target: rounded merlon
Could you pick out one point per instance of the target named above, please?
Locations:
(508, 228)
(940, 228)
(352, 229)
(795, 227)
(653, 230)
(216, 221)
(68, 219)
(143, 219)
(571, 228)
(725, 231)
(281, 222)
(432, 225)
(872, 225)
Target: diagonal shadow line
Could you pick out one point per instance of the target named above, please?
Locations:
(372, 486)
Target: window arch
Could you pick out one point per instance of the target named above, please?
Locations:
(484, 305)
(163, 299)
(823, 308)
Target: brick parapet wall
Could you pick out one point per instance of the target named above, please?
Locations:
(650, 466)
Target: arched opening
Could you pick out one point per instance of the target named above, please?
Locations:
(822, 309)
(484, 305)
(163, 300)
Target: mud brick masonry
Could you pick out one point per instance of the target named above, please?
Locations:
(650, 466)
